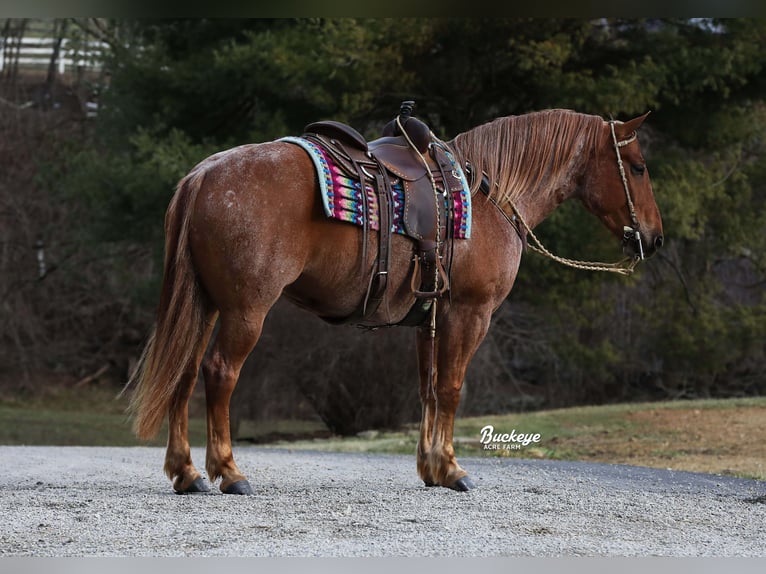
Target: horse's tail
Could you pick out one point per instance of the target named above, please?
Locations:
(181, 318)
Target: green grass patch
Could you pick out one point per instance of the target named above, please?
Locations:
(97, 416)
(578, 433)
(31, 426)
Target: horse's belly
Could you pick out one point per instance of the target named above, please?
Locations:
(334, 286)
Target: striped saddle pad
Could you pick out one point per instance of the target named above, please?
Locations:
(342, 196)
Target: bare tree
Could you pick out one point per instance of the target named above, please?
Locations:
(13, 33)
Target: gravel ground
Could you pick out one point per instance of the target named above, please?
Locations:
(93, 501)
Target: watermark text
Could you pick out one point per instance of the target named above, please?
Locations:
(491, 440)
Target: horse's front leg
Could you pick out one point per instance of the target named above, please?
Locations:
(459, 335)
(426, 361)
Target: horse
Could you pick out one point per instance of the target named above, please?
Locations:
(245, 227)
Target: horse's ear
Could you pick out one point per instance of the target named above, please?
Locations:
(625, 130)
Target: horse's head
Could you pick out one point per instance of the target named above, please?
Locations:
(618, 191)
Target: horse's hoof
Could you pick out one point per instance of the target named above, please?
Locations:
(195, 487)
(463, 484)
(239, 487)
(428, 483)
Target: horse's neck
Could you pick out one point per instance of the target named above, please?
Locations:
(536, 205)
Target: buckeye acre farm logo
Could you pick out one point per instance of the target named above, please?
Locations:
(491, 440)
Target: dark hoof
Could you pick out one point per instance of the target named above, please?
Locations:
(463, 484)
(428, 483)
(239, 487)
(199, 485)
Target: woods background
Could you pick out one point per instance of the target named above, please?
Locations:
(89, 159)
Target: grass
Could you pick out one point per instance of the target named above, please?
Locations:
(720, 436)
(97, 416)
(716, 436)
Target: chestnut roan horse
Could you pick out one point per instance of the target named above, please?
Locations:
(246, 226)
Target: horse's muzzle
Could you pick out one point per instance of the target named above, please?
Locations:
(640, 244)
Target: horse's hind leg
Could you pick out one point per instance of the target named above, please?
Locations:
(235, 340)
(178, 462)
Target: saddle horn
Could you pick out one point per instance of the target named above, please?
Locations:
(418, 132)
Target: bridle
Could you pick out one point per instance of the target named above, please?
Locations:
(633, 232)
(625, 266)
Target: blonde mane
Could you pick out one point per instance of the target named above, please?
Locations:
(532, 153)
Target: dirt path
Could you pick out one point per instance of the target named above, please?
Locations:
(82, 501)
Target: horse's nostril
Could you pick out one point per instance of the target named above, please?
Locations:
(658, 241)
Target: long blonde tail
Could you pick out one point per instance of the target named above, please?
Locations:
(180, 322)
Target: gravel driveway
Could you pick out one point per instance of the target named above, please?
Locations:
(82, 501)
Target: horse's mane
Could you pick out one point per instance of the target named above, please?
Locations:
(531, 153)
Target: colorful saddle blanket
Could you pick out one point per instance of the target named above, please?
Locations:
(342, 196)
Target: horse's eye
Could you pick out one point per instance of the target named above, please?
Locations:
(637, 169)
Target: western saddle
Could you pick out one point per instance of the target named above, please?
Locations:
(408, 153)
